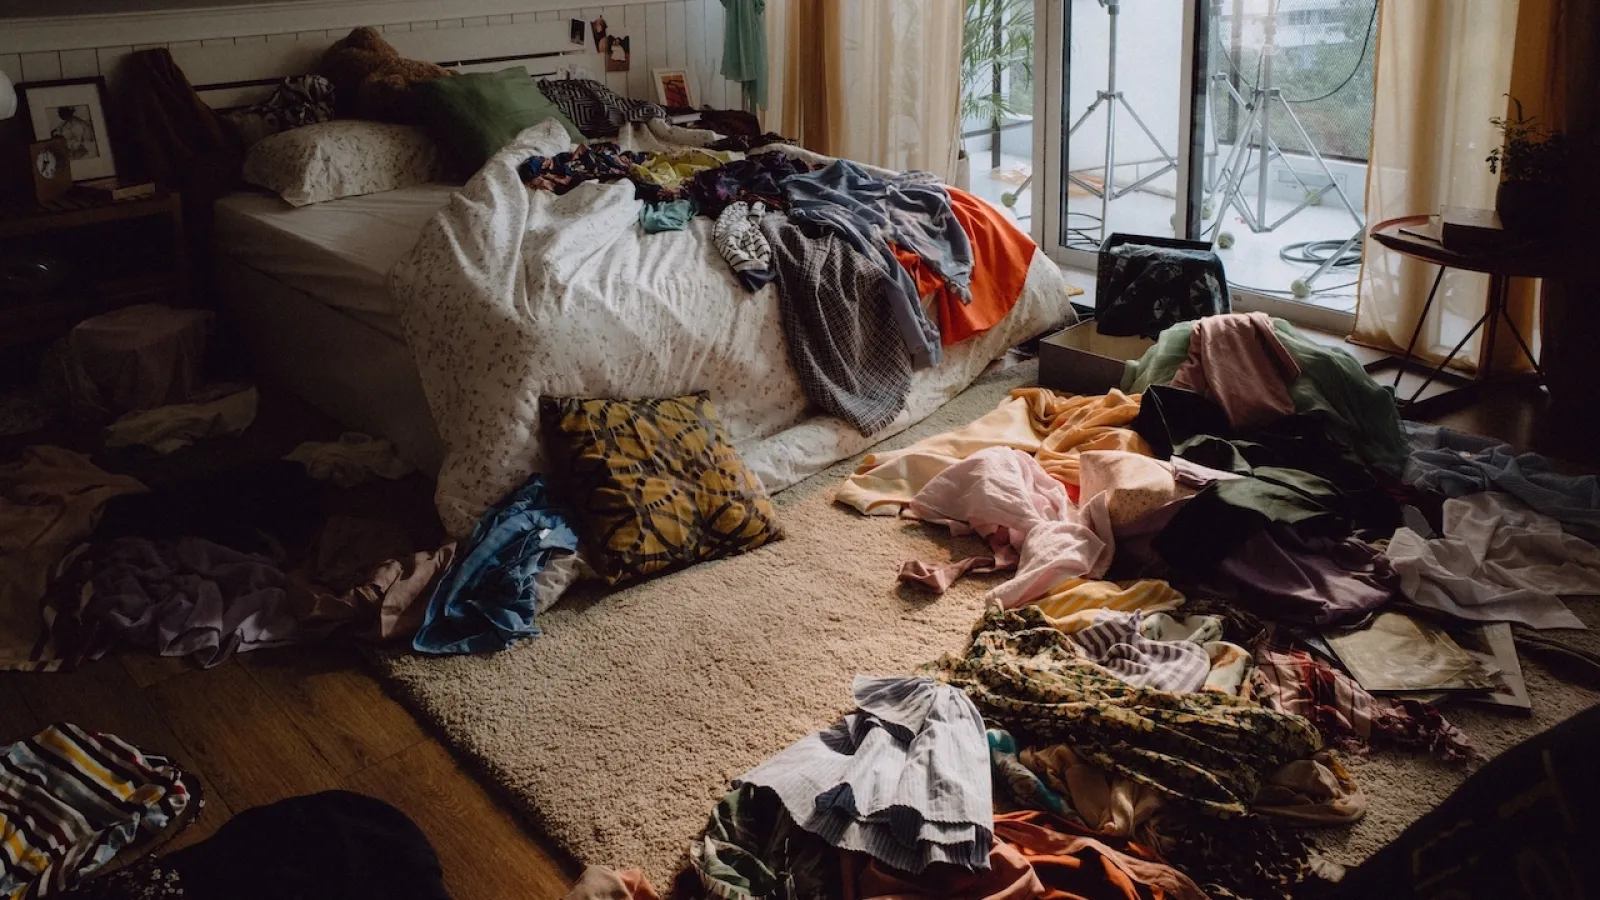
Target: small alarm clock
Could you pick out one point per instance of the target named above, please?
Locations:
(52, 169)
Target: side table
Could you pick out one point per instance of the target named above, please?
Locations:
(1536, 258)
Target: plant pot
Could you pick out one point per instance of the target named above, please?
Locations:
(1530, 205)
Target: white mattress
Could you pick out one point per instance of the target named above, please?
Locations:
(339, 252)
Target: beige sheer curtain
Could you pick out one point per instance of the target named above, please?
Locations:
(877, 81)
(1444, 68)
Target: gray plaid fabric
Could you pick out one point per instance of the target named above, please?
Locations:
(842, 338)
(595, 109)
(904, 779)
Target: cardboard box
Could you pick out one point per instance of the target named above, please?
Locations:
(1081, 360)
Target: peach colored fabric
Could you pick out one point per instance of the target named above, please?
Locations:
(1134, 485)
(601, 883)
(884, 483)
(1109, 805)
(1072, 424)
(1073, 865)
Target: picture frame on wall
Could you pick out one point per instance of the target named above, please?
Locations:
(74, 110)
(674, 90)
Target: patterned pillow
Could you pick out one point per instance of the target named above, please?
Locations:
(299, 100)
(596, 109)
(659, 485)
(342, 158)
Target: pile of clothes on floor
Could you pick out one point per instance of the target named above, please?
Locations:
(261, 555)
(1155, 700)
(875, 270)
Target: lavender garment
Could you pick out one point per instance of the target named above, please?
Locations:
(1116, 643)
(1311, 581)
(189, 597)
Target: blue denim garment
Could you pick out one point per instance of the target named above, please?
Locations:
(486, 601)
(868, 212)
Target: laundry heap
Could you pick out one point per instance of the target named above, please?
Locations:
(1197, 567)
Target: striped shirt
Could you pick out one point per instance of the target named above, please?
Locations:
(1116, 643)
(71, 799)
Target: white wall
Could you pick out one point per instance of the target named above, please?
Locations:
(663, 34)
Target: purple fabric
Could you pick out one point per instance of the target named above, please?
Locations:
(189, 597)
(1313, 581)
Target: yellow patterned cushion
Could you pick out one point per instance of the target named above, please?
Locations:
(659, 485)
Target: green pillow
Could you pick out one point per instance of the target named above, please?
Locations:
(473, 116)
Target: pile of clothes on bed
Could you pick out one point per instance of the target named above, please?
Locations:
(1148, 706)
(875, 269)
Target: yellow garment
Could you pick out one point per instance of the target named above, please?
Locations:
(1064, 602)
(885, 483)
(1072, 424)
(671, 170)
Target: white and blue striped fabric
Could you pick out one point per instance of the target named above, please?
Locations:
(1116, 643)
(904, 779)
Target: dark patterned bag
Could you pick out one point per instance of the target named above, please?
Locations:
(300, 100)
(596, 109)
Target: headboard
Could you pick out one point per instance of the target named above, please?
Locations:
(229, 75)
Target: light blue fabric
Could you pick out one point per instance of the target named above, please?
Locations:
(486, 600)
(868, 212)
(1027, 788)
(668, 215)
(1454, 463)
(904, 779)
(744, 49)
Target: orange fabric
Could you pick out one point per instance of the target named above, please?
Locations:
(1072, 424)
(1075, 865)
(1001, 255)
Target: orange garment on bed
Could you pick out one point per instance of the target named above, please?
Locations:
(1000, 258)
(1071, 424)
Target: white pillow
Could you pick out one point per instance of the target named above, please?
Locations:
(341, 158)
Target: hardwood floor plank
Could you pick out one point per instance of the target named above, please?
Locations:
(485, 853)
(101, 696)
(148, 669)
(340, 709)
(16, 719)
(248, 746)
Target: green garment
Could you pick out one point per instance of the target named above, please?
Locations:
(1357, 411)
(744, 49)
(753, 849)
(670, 215)
(1206, 751)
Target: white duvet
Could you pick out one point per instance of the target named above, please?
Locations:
(511, 295)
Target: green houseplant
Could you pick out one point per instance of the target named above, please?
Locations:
(1533, 164)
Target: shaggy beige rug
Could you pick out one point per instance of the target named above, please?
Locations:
(618, 729)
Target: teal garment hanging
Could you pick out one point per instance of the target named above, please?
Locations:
(744, 49)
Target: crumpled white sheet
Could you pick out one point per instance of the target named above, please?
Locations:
(353, 459)
(223, 409)
(511, 295)
(1498, 561)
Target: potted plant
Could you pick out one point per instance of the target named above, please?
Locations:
(1532, 163)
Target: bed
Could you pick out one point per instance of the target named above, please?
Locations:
(411, 315)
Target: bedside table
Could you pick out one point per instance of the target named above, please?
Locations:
(105, 254)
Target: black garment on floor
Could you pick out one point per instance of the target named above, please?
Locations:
(336, 845)
(246, 508)
(1523, 826)
(1176, 422)
(1212, 524)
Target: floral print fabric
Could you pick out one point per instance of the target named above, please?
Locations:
(1205, 751)
(341, 158)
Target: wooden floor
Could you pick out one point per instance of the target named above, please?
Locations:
(276, 724)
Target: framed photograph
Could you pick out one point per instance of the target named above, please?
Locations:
(617, 54)
(672, 88)
(74, 110)
(575, 29)
(599, 28)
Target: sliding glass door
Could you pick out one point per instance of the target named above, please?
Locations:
(1243, 124)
